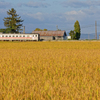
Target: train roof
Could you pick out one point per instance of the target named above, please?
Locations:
(18, 33)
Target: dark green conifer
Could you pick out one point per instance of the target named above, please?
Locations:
(77, 30)
(13, 22)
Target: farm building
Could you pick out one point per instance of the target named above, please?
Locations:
(51, 35)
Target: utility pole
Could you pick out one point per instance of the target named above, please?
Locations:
(24, 29)
(96, 30)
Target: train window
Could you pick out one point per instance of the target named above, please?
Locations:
(2, 35)
(13, 36)
(27, 35)
(35, 35)
(24, 36)
(16, 35)
(9, 35)
(6, 36)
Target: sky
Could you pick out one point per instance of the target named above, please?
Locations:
(50, 13)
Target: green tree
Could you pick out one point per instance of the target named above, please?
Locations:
(38, 29)
(59, 30)
(3, 30)
(45, 30)
(72, 34)
(13, 22)
(77, 30)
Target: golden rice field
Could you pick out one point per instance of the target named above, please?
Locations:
(50, 70)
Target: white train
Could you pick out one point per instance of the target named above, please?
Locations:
(20, 37)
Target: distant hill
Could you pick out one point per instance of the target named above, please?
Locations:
(89, 36)
(86, 36)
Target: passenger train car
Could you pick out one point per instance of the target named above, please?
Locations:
(20, 37)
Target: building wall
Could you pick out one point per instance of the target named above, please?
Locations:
(59, 38)
(47, 38)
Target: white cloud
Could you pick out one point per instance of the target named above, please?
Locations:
(74, 15)
(38, 16)
(4, 4)
(34, 4)
(80, 4)
(91, 11)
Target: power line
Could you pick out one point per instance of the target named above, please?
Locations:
(88, 26)
(82, 27)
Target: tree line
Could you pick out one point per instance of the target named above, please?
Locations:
(38, 29)
(13, 24)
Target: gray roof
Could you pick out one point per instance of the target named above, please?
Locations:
(50, 33)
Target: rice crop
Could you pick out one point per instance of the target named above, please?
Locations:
(50, 70)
